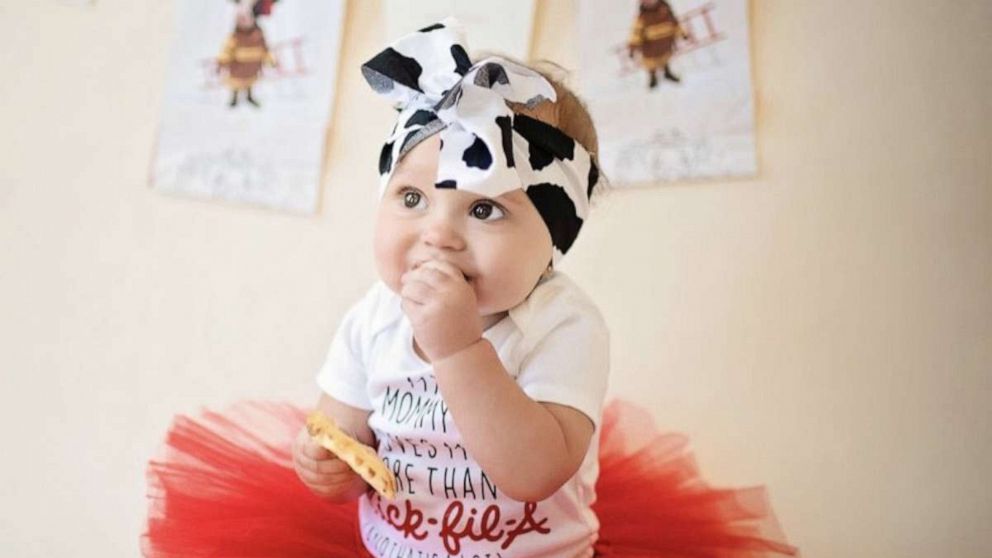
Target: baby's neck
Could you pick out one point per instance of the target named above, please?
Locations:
(492, 319)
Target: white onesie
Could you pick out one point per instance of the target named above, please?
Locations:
(555, 345)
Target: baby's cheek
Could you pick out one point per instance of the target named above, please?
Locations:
(388, 262)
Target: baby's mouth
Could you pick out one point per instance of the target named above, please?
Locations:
(468, 278)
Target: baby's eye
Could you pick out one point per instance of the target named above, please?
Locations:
(411, 198)
(485, 210)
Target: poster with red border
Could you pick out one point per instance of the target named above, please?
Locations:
(669, 87)
(247, 101)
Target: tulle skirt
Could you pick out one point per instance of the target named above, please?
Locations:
(225, 488)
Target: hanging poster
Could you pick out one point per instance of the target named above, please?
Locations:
(247, 101)
(668, 84)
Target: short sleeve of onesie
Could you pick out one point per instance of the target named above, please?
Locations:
(343, 374)
(567, 356)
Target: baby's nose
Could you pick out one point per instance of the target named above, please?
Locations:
(443, 234)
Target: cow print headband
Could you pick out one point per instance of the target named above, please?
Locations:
(486, 148)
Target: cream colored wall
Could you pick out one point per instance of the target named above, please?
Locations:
(825, 329)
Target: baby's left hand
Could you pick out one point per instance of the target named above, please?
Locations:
(442, 308)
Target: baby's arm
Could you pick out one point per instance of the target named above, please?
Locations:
(322, 471)
(529, 449)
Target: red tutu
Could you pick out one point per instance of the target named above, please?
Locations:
(226, 488)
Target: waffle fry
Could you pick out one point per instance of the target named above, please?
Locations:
(361, 458)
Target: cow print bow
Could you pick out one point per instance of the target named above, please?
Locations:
(486, 148)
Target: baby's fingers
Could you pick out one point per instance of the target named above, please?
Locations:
(416, 291)
(318, 478)
(307, 446)
(331, 464)
(443, 270)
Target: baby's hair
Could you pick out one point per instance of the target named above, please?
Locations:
(568, 113)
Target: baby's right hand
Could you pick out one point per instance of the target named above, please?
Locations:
(323, 472)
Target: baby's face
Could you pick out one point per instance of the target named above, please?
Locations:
(501, 245)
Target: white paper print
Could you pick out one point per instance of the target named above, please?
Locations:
(247, 100)
(694, 118)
